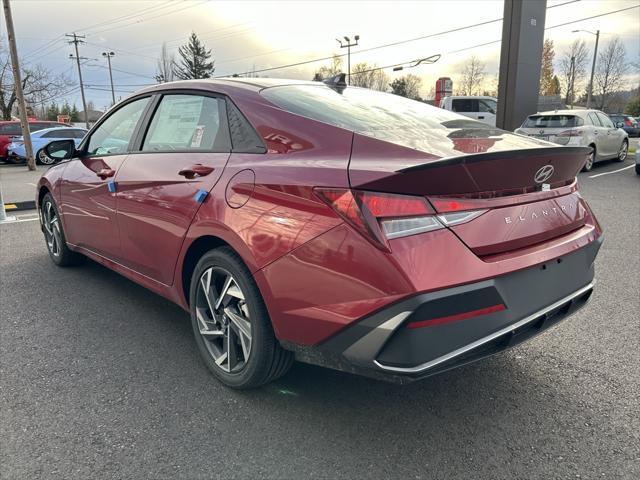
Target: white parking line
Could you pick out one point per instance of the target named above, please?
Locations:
(32, 184)
(613, 171)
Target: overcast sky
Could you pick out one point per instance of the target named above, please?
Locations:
(244, 35)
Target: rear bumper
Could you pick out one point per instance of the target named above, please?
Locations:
(437, 331)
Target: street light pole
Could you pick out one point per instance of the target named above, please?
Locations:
(109, 55)
(348, 46)
(593, 65)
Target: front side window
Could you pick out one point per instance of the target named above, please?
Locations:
(604, 120)
(187, 122)
(487, 106)
(113, 135)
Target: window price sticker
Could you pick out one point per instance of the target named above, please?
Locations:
(196, 140)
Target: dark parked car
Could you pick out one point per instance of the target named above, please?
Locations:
(629, 124)
(10, 129)
(336, 225)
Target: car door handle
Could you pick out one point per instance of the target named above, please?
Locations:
(480, 117)
(106, 173)
(193, 170)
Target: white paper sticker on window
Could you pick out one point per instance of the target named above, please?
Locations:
(197, 136)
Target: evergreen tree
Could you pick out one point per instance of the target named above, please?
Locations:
(194, 60)
(75, 117)
(52, 112)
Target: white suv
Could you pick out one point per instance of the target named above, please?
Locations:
(479, 108)
(585, 128)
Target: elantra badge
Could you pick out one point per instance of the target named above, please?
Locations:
(543, 174)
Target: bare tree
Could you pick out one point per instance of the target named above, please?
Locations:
(164, 69)
(573, 72)
(328, 71)
(39, 85)
(369, 76)
(472, 76)
(610, 72)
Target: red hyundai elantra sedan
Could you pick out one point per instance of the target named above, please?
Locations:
(335, 225)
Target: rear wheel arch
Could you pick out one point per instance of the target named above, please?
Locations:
(199, 247)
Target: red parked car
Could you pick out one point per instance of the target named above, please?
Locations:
(10, 129)
(335, 225)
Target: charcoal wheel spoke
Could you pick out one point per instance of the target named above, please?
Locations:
(223, 319)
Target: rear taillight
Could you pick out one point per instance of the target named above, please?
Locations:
(384, 216)
(571, 133)
(628, 122)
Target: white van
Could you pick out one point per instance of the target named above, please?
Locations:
(479, 108)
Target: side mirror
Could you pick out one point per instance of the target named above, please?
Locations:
(619, 124)
(61, 149)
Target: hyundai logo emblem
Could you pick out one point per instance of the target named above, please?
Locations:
(543, 174)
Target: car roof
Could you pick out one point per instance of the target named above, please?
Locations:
(53, 129)
(566, 112)
(226, 84)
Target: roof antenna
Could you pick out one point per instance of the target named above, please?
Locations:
(337, 82)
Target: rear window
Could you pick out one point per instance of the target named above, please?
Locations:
(380, 115)
(553, 121)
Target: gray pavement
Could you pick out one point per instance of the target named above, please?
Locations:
(100, 378)
(19, 184)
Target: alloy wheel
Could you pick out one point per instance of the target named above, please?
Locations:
(622, 154)
(44, 158)
(589, 165)
(223, 319)
(52, 232)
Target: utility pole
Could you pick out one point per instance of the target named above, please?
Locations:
(76, 40)
(348, 46)
(17, 80)
(109, 55)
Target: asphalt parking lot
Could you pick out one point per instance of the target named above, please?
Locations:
(100, 378)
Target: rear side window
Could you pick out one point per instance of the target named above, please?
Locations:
(77, 133)
(10, 129)
(465, 105)
(604, 120)
(593, 118)
(64, 133)
(188, 122)
(553, 121)
(244, 139)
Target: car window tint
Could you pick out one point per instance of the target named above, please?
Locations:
(594, 119)
(77, 133)
(186, 122)
(113, 135)
(464, 105)
(244, 138)
(604, 120)
(552, 121)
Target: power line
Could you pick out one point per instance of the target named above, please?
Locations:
(125, 17)
(306, 62)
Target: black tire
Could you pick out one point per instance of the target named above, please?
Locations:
(54, 235)
(43, 159)
(591, 160)
(267, 359)
(638, 168)
(623, 153)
